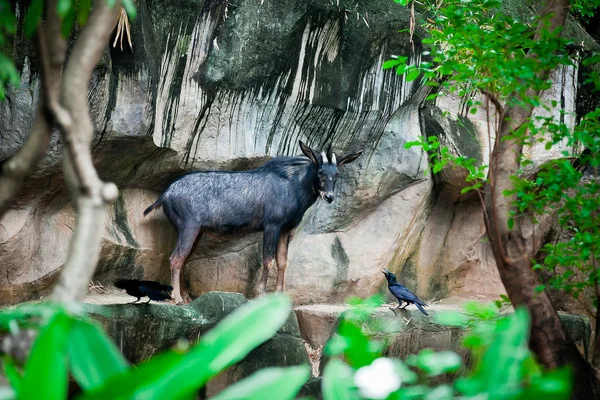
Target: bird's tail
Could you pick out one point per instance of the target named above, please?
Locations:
(157, 204)
(420, 307)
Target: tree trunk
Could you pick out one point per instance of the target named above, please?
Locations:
(549, 339)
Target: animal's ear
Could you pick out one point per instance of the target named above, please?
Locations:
(308, 152)
(348, 158)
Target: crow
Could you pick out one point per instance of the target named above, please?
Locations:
(402, 293)
(136, 288)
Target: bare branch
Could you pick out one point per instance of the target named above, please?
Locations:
(89, 193)
(24, 161)
(492, 97)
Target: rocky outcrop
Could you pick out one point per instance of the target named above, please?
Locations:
(142, 331)
(410, 331)
(221, 84)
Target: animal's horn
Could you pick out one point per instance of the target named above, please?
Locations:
(329, 152)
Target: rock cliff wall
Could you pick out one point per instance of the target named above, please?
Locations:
(226, 84)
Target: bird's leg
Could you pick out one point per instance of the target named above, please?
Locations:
(394, 309)
(148, 301)
(404, 308)
(133, 302)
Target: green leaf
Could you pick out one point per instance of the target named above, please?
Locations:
(434, 364)
(34, 15)
(12, 374)
(63, 7)
(511, 223)
(83, 11)
(285, 382)
(93, 356)
(46, 369)
(412, 75)
(500, 370)
(442, 392)
(407, 375)
(174, 374)
(25, 311)
(129, 6)
(337, 381)
(390, 63)
(8, 72)
(451, 318)
(68, 22)
(408, 145)
(552, 385)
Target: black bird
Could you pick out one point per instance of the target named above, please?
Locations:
(402, 294)
(136, 288)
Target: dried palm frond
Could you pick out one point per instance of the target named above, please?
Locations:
(123, 26)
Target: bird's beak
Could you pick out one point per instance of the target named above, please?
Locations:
(385, 271)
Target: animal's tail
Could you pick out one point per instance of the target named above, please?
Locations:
(157, 204)
(420, 307)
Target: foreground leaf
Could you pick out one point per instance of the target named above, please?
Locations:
(46, 369)
(285, 382)
(338, 381)
(175, 374)
(92, 354)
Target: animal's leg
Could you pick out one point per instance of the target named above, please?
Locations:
(406, 305)
(270, 239)
(186, 239)
(282, 252)
(133, 302)
(148, 300)
(394, 309)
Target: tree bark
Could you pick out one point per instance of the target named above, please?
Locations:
(549, 339)
(89, 194)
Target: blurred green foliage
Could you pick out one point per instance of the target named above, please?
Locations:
(71, 344)
(501, 367)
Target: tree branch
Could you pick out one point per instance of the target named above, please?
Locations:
(495, 102)
(89, 193)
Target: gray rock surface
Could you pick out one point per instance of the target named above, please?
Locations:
(226, 84)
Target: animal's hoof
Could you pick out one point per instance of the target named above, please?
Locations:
(177, 301)
(256, 293)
